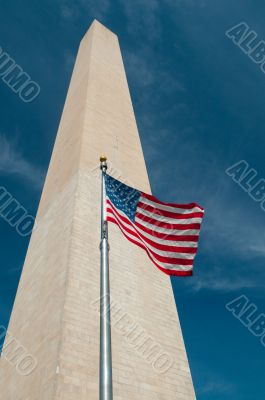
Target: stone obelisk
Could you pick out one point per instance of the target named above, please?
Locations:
(55, 316)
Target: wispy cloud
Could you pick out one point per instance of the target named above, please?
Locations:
(15, 269)
(220, 279)
(212, 383)
(74, 10)
(217, 388)
(12, 162)
(145, 71)
(69, 60)
(146, 74)
(231, 226)
(142, 74)
(143, 17)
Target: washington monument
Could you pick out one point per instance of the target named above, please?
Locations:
(55, 318)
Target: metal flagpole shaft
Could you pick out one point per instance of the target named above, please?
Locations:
(105, 378)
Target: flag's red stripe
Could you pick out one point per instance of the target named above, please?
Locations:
(170, 260)
(162, 247)
(159, 235)
(173, 272)
(184, 206)
(169, 214)
(166, 271)
(166, 224)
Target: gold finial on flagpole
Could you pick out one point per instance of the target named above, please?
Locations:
(103, 163)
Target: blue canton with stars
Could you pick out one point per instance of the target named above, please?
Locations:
(122, 196)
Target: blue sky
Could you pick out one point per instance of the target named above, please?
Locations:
(199, 103)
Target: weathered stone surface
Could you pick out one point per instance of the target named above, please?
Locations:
(55, 316)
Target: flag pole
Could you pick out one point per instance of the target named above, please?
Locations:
(105, 369)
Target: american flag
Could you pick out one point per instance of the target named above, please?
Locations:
(168, 232)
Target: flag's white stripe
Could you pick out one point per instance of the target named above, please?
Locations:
(170, 254)
(166, 231)
(169, 208)
(175, 267)
(168, 220)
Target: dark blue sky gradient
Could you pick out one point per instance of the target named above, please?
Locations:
(199, 103)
